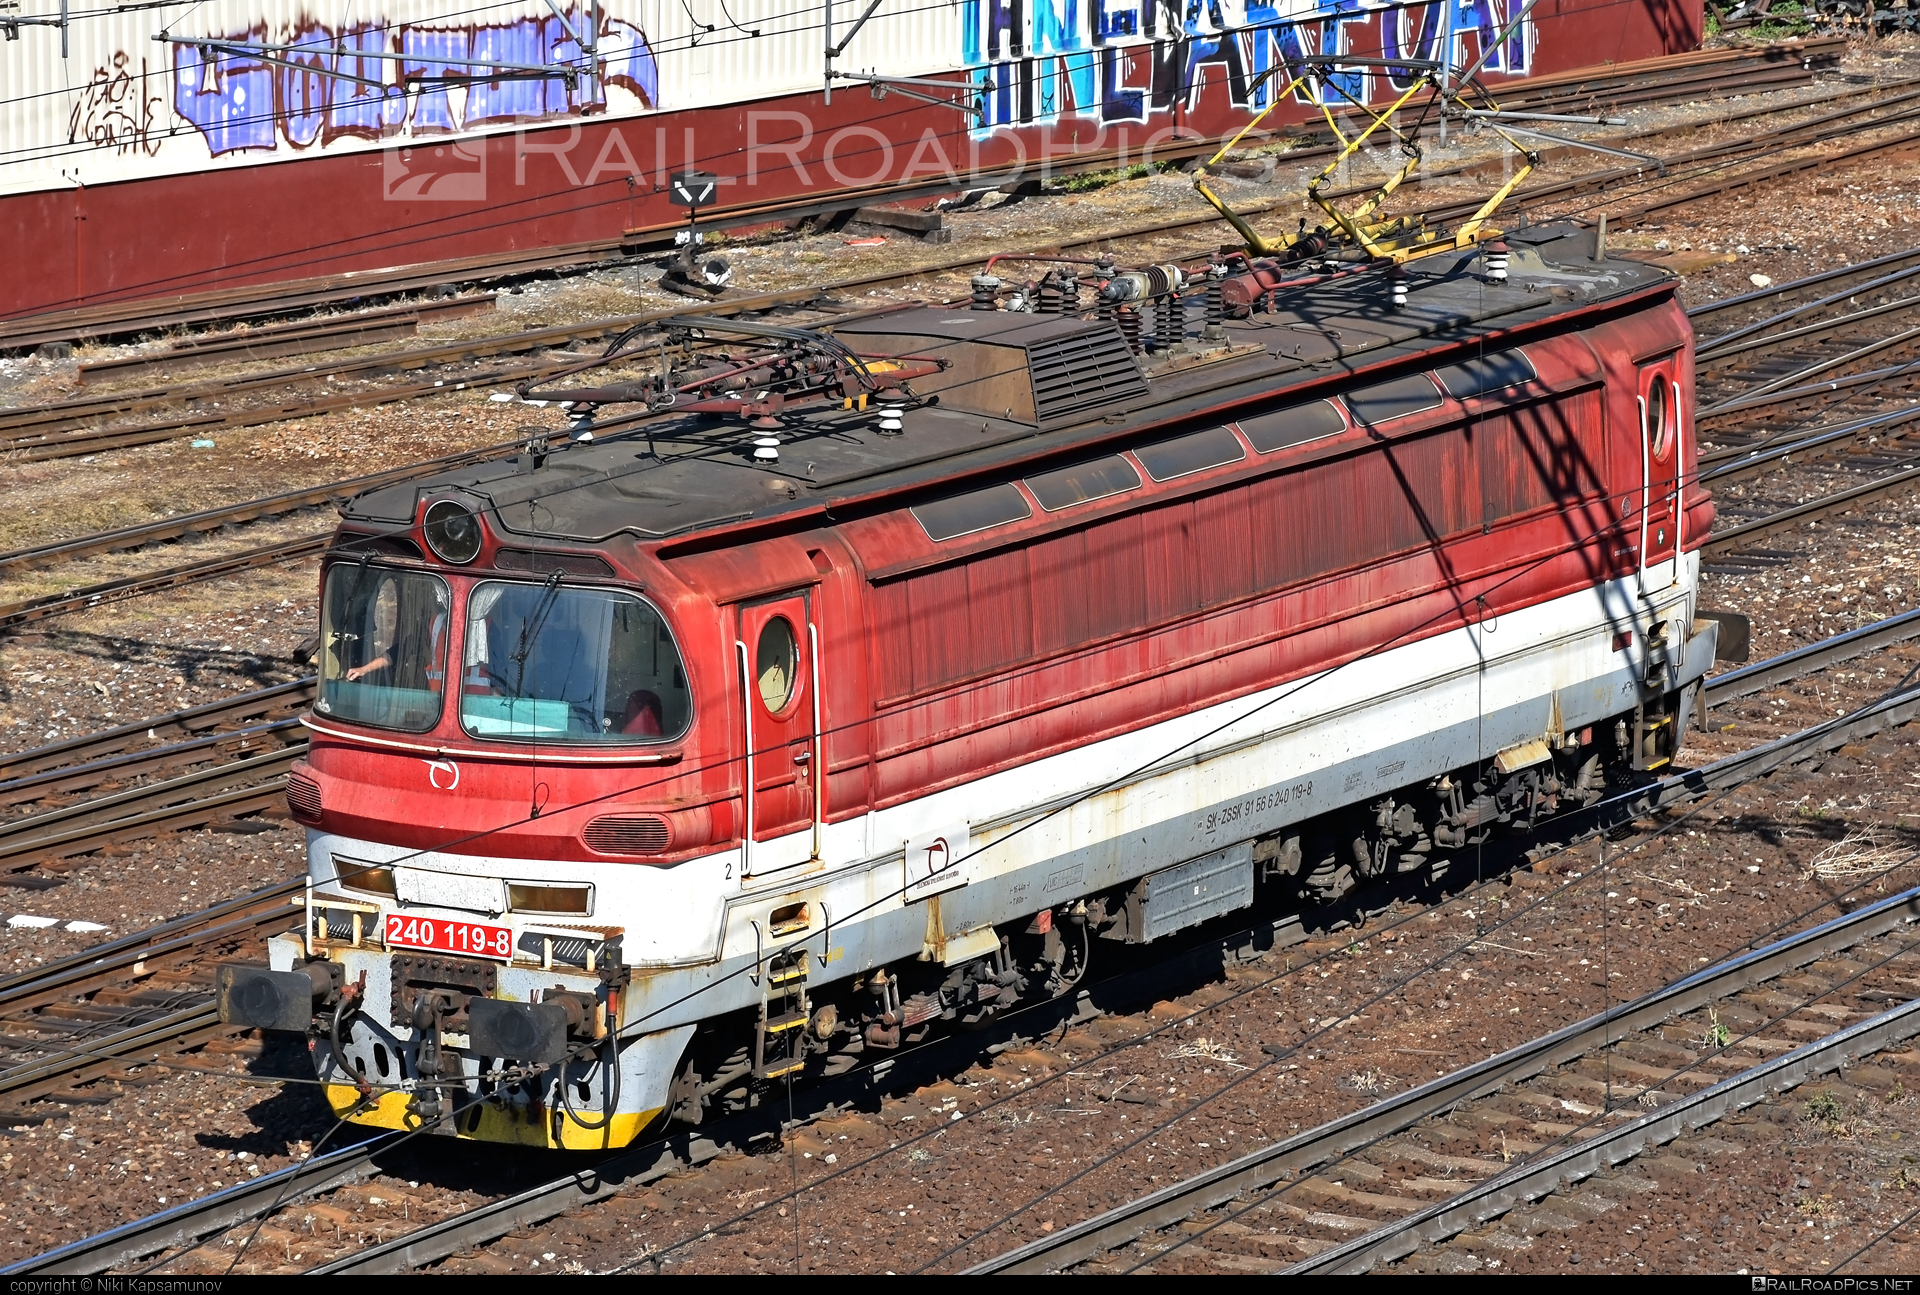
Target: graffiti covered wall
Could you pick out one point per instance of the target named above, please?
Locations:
(1037, 61)
(232, 141)
(244, 81)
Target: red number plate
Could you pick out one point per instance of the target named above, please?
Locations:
(475, 939)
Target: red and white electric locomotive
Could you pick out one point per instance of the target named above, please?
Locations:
(868, 679)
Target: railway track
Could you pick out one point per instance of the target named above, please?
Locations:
(1687, 76)
(1564, 1105)
(87, 1018)
(230, 760)
(277, 702)
(303, 337)
(70, 428)
(411, 1246)
(285, 504)
(188, 1224)
(1781, 337)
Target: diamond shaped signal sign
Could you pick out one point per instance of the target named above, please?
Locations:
(692, 188)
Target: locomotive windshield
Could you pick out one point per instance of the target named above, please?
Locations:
(383, 653)
(552, 663)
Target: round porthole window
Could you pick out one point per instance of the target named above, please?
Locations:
(776, 664)
(1660, 420)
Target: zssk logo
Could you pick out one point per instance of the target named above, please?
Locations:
(450, 172)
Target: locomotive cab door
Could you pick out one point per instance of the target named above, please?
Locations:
(1660, 514)
(779, 659)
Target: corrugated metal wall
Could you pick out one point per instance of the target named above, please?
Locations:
(122, 105)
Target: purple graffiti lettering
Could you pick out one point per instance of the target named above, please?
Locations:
(229, 100)
(335, 87)
(1483, 20)
(1413, 32)
(357, 110)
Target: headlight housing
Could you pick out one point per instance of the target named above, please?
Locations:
(452, 531)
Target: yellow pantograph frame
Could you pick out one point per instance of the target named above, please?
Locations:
(1398, 239)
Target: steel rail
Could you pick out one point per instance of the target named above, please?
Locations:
(561, 334)
(112, 591)
(246, 707)
(188, 1222)
(1893, 260)
(1357, 1129)
(39, 444)
(496, 1219)
(227, 919)
(192, 799)
(1531, 1181)
(1718, 357)
(118, 318)
(1908, 261)
(31, 433)
(79, 599)
(1801, 377)
(81, 777)
(1811, 659)
(1838, 502)
(1884, 381)
(174, 528)
(170, 1028)
(304, 337)
(339, 337)
(1743, 460)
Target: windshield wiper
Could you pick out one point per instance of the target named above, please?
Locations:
(530, 631)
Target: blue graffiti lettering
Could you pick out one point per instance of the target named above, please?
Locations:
(331, 86)
(229, 100)
(1483, 20)
(1122, 60)
(357, 110)
(1413, 32)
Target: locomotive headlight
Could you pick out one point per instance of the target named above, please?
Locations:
(452, 532)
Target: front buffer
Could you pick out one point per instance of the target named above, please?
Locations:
(526, 1049)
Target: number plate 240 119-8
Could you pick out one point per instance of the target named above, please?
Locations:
(474, 939)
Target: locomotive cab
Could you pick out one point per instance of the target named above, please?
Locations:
(535, 662)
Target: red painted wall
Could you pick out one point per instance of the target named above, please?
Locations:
(569, 184)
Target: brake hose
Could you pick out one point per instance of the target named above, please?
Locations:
(612, 1087)
(348, 998)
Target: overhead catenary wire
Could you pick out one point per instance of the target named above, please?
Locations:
(1237, 995)
(1566, 1138)
(1369, 1002)
(615, 192)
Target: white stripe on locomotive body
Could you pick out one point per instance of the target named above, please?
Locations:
(1114, 810)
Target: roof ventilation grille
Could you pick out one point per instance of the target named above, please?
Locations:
(1082, 372)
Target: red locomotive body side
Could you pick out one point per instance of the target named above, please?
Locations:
(941, 663)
